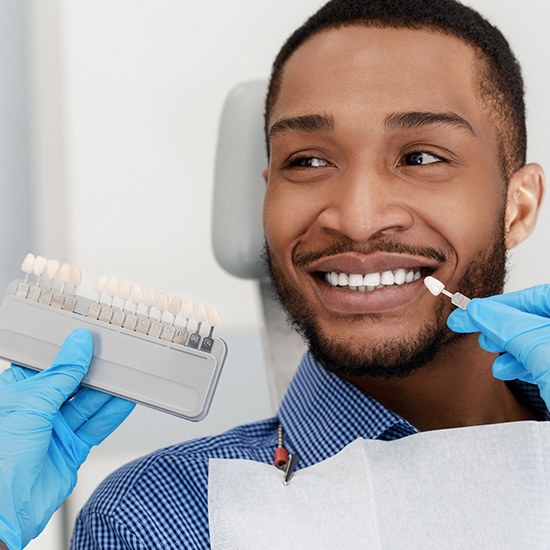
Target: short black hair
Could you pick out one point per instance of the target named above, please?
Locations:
(500, 79)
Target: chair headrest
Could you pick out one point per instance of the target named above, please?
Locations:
(237, 228)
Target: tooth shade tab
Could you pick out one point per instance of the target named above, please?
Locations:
(28, 264)
(436, 287)
(100, 284)
(125, 290)
(214, 317)
(112, 287)
(52, 268)
(162, 301)
(64, 273)
(39, 265)
(150, 297)
(174, 307)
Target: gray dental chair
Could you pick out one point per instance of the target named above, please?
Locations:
(237, 230)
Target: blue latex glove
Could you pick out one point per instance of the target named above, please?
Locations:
(517, 325)
(44, 438)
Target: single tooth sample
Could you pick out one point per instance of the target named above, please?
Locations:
(75, 278)
(161, 305)
(132, 318)
(27, 268)
(187, 312)
(38, 269)
(63, 276)
(214, 319)
(52, 267)
(98, 286)
(436, 287)
(124, 293)
(201, 316)
(149, 301)
(174, 308)
(111, 289)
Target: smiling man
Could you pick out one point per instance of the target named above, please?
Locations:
(389, 161)
(396, 137)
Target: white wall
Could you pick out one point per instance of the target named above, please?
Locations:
(124, 105)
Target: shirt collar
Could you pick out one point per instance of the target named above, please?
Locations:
(322, 413)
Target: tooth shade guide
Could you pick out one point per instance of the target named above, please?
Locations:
(114, 313)
(156, 373)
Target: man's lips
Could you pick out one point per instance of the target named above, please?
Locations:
(355, 283)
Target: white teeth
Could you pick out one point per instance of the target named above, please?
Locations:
(400, 276)
(355, 280)
(387, 278)
(343, 279)
(372, 281)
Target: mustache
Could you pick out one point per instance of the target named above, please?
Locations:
(392, 246)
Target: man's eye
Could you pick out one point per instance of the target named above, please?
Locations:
(421, 158)
(308, 162)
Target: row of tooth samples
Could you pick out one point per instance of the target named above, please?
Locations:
(37, 270)
(38, 286)
(146, 323)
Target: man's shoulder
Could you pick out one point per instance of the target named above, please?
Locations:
(179, 469)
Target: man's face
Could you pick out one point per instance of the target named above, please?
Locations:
(384, 163)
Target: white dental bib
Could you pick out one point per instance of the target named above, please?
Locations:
(486, 487)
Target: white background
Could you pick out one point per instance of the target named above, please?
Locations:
(123, 106)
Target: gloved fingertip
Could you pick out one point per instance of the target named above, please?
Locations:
(77, 349)
(80, 337)
(458, 321)
(506, 367)
(488, 344)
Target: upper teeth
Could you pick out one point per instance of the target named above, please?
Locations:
(372, 281)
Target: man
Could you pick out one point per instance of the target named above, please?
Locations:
(396, 140)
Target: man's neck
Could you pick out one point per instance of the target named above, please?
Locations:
(456, 389)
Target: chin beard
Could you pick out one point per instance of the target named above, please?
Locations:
(388, 357)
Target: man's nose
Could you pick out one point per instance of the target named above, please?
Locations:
(364, 204)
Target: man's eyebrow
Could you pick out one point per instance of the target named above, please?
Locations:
(304, 123)
(419, 119)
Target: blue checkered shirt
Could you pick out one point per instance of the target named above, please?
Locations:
(161, 501)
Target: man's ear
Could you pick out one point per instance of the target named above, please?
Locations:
(525, 192)
(265, 174)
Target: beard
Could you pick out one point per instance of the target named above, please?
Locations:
(388, 357)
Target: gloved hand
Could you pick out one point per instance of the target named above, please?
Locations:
(44, 438)
(518, 326)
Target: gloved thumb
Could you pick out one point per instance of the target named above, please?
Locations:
(68, 368)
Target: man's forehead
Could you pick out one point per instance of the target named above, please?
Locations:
(359, 62)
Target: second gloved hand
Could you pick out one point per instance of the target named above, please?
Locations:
(44, 438)
(517, 325)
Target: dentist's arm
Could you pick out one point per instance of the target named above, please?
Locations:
(45, 435)
(517, 325)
